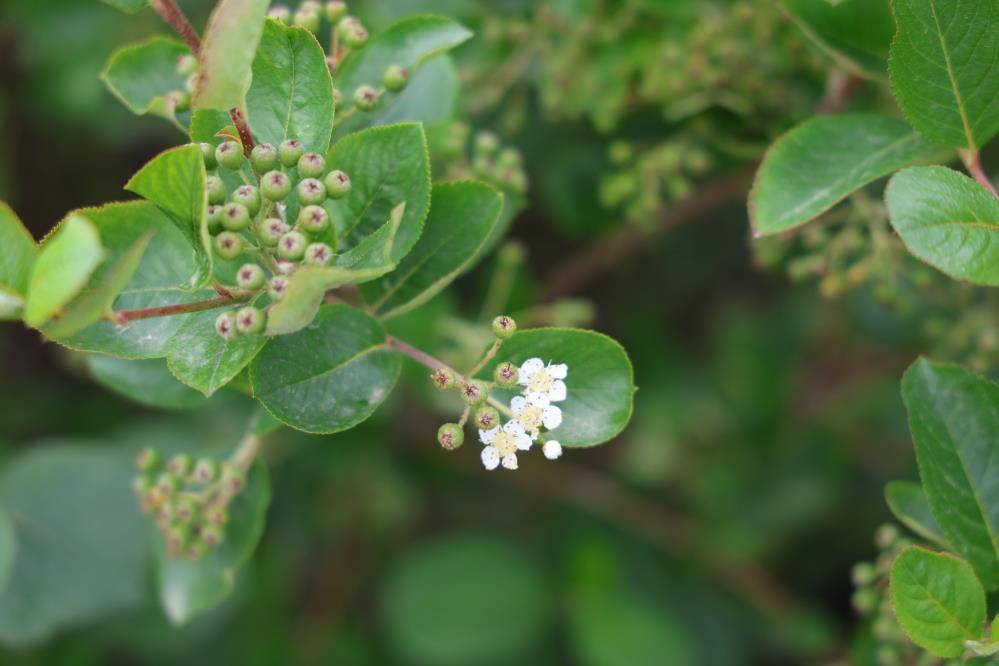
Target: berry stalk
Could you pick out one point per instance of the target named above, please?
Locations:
(122, 317)
(174, 16)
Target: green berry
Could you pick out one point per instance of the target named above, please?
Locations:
(355, 36)
(212, 535)
(313, 219)
(280, 13)
(311, 165)
(318, 254)
(885, 536)
(235, 217)
(216, 190)
(504, 326)
(306, 19)
(229, 154)
(474, 392)
(509, 158)
(148, 460)
(337, 184)
(249, 196)
(335, 10)
(142, 484)
(311, 192)
(213, 219)
(208, 154)
(271, 230)
(506, 374)
(450, 436)
(863, 573)
(225, 325)
(486, 418)
(168, 483)
(290, 151)
(276, 287)
(187, 64)
(395, 78)
(216, 515)
(338, 99)
(228, 245)
(864, 600)
(275, 185)
(250, 277)
(186, 510)
(177, 537)
(486, 143)
(180, 465)
(233, 478)
(292, 246)
(365, 98)
(263, 157)
(442, 379)
(205, 471)
(250, 320)
(191, 84)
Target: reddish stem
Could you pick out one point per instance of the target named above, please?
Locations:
(973, 162)
(173, 15)
(239, 120)
(122, 317)
(418, 355)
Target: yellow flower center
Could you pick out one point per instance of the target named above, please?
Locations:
(504, 444)
(540, 382)
(530, 418)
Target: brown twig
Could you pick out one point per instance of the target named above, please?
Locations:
(973, 163)
(122, 317)
(239, 120)
(174, 16)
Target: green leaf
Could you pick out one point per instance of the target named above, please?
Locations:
(96, 299)
(66, 259)
(292, 92)
(430, 96)
(947, 220)
(304, 294)
(937, 600)
(81, 551)
(387, 166)
(127, 6)
(329, 376)
(462, 216)
(17, 255)
(908, 502)
(142, 75)
(943, 69)
(854, 34)
(600, 381)
(231, 38)
(174, 180)
(465, 599)
(147, 382)
(374, 253)
(8, 546)
(819, 163)
(189, 588)
(954, 418)
(409, 43)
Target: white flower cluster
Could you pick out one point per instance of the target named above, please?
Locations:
(542, 386)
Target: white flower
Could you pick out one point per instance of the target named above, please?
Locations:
(502, 444)
(535, 411)
(536, 377)
(552, 449)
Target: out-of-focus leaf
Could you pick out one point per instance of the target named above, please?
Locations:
(17, 256)
(230, 41)
(908, 502)
(127, 6)
(148, 382)
(855, 34)
(142, 75)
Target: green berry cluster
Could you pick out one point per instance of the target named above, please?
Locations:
(486, 158)
(180, 100)
(252, 219)
(188, 499)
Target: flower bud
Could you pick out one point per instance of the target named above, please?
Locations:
(208, 154)
(450, 436)
(335, 10)
(486, 418)
(506, 374)
(275, 185)
(395, 78)
(216, 190)
(235, 217)
(148, 460)
(250, 277)
(276, 287)
(504, 326)
(233, 478)
(216, 515)
(187, 64)
(280, 13)
(290, 151)
(271, 230)
(311, 192)
(474, 392)
(442, 379)
(186, 510)
(249, 196)
(263, 157)
(250, 320)
(311, 165)
(552, 449)
(355, 36)
(337, 184)
(180, 465)
(291, 246)
(365, 98)
(228, 245)
(318, 254)
(205, 471)
(313, 219)
(229, 154)
(213, 218)
(486, 143)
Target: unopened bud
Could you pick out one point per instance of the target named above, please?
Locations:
(450, 436)
(442, 379)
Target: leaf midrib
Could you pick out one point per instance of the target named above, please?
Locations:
(962, 112)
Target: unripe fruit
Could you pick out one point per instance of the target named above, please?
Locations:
(208, 154)
(187, 64)
(886, 536)
(216, 515)
(167, 484)
(249, 196)
(313, 6)
(271, 230)
(229, 154)
(504, 326)
(186, 510)
(506, 374)
(148, 460)
(474, 392)
(365, 98)
(311, 165)
(276, 287)
(263, 157)
(318, 254)
(233, 478)
(335, 10)
(863, 574)
(442, 379)
(179, 99)
(180, 465)
(250, 320)
(205, 471)
(216, 190)
(228, 245)
(275, 185)
(280, 13)
(177, 537)
(225, 325)
(450, 436)
(311, 192)
(211, 535)
(142, 484)
(337, 184)
(486, 143)
(191, 84)
(213, 219)
(250, 277)
(235, 217)
(509, 158)
(395, 78)
(486, 418)
(313, 219)
(306, 19)
(292, 246)
(355, 36)
(338, 99)
(290, 151)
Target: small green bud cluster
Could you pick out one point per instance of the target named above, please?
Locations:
(249, 219)
(491, 161)
(188, 498)
(180, 100)
(870, 598)
(311, 14)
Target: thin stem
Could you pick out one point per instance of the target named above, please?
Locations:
(485, 359)
(464, 416)
(174, 16)
(239, 120)
(246, 452)
(343, 116)
(973, 163)
(122, 317)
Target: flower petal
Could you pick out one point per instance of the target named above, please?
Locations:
(490, 458)
(558, 391)
(552, 449)
(523, 441)
(538, 399)
(551, 417)
(487, 436)
(558, 371)
(517, 404)
(529, 367)
(513, 428)
(510, 461)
